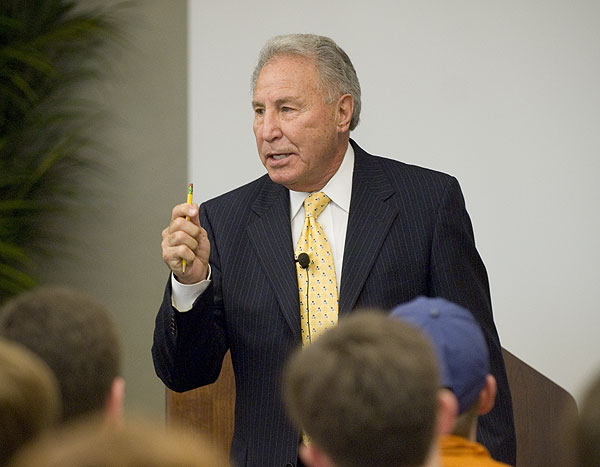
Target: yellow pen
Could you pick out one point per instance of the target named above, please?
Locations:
(190, 192)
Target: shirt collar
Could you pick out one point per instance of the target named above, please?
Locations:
(339, 187)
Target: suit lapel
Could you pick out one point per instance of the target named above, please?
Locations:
(270, 234)
(369, 221)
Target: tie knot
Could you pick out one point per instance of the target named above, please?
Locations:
(315, 203)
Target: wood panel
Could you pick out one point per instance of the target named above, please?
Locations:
(543, 412)
(209, 409)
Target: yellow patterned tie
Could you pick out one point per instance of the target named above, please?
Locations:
(321, 311)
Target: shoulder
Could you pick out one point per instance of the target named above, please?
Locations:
(241, 206)
(242, 196)
(401, 176)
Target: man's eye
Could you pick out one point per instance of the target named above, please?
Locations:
(286, 109)
(259, 111)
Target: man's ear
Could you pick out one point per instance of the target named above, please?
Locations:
(447, 412)
(115, 401)
(312, 456)
(345, 108)
(487, 396)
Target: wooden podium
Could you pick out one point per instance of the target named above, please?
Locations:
(209, 409)
(540, 410)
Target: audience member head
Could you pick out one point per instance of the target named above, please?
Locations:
(462, 355)
(367, 394)
(29, 398)
(90, 442)
(77, 339)
(587, 431)
(337, 74)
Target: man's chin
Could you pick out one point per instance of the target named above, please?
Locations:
(281, 177)
(278, 178)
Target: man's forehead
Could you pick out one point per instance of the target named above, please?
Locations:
(287, 78)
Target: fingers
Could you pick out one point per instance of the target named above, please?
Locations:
(185, 209)
(179, 222)
(176, 247)
(182, 239)
(186, 239)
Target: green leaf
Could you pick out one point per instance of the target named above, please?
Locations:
(49, 49)
(12, 252)
(28, 56)
(13, 281)
(19, 205)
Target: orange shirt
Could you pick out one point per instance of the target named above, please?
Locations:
(460, 452)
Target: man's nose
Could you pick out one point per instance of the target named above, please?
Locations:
(271, 128)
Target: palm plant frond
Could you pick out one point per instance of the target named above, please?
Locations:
(48, 49)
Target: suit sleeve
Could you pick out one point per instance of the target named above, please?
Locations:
(188, 348)
(458, 274)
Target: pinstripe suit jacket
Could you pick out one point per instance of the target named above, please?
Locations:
(408, 234)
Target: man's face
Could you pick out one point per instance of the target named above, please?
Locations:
(296, 131)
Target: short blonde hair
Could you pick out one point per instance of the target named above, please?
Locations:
(29, 398)
(93, 442)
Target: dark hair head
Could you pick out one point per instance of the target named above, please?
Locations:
(76, 338)
(366, 392)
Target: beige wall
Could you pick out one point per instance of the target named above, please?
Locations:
(116, 257)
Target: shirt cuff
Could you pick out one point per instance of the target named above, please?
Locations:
(183, 296)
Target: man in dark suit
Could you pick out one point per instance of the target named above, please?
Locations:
(396, 231)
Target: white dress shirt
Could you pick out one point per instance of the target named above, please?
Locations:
(333, 221)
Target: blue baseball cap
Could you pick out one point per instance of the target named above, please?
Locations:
(458, 341)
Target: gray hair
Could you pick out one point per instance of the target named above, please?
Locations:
(337, 74)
